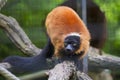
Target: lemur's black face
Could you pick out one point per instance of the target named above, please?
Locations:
(71, 44)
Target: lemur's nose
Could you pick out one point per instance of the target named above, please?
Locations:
(69, 49)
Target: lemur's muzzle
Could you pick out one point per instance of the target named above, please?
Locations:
(69, 49)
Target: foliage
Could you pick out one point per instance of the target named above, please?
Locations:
(31, 15)
(112, 10)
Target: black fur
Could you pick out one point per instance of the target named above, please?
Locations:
(30, 64)
(82, 64)
(71, 45)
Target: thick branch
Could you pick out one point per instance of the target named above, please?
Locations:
(67, 70)
(17, 35)
(103, 61)
(8, 75)
(97, 62)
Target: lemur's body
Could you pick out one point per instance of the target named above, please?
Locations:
(62, 22)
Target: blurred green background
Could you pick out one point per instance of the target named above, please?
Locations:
(112, 13)
(31, 15)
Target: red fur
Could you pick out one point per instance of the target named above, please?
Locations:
(62, 21)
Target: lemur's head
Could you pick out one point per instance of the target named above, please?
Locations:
(71, 43)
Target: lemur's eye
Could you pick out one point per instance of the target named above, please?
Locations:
(65, 44)
(74, 44)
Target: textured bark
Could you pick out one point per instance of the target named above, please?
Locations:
(97, 61)
(67, 70)
(8, 75)
(17, 35)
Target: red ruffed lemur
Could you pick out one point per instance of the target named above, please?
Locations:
(67, 32)
(68, 37)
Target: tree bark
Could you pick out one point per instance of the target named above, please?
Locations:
(104, 61)
(67, 70)
(17, 35)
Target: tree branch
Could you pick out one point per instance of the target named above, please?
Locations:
(103, 61)
(8, 75)
(97, 62)
(17, 35)
(67, 70)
